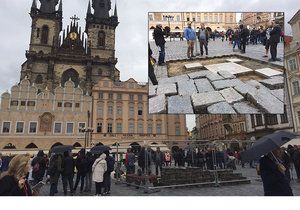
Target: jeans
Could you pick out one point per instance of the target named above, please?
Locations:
(273, 50)
(236, 42)
(151, 74)
(81, 178)
(156, 168)
(106, 182)
(67, 179)
(203, 43)
(99, 188)
(243, 45)
(161, 58)
(88, 182)
(53, 189)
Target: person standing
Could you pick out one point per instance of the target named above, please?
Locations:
(130, 161)
(236, 38)
(99, 168)
(88, 178)
(107, 175)
(14, 181)
(68, 172)
(151, 62)
(190, 36)
(274, 40)
(81, 166)
(158, 160)
(296, 160)
(272, 172)
(159, 39)
(267, 40)
(38, 167)
(54, 171)
(244, 33)
(203, 36)
(168, 158)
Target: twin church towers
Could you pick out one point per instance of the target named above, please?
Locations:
(57, 55)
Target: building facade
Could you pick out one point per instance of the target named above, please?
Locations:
(178, 21)
(292, 63)
(257, 19)
(120, 115)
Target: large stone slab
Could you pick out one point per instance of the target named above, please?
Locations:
(202, 100)
(214, 76)
(220, 108)
(157, 105)
(175, 79)
(193, 66)
(226, 75)
(152, 90)
(203, 85)
(230, 67)
(198, 74)
(186, 87)
(167, 89)
(268, 72)
(245, 108)
(226, 83)
(231, 95)
(278, 94)
(276, 82)
(234, 60)
(180, 105)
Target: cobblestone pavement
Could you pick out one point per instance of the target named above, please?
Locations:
(253, 189)
(234, 85)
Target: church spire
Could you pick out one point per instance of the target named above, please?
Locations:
(33, 6)
(116, 12)
(60, 8)
(89, 11)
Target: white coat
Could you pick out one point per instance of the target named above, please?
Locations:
(99, 168)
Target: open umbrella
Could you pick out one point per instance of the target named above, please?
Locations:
(266, 144)
(100, 149)
(61, 149)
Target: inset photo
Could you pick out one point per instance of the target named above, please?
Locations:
(216, 63)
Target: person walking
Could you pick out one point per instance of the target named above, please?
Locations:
(107, 175)
(38, 167)
(81, 166)
(203, 37)
(99, 168)
(190, 36)
(159, 39)
(272, 172)
(158, 160)
(68, 172)
(244, 33)
(274, 40)
(54, 171)
(14, 182)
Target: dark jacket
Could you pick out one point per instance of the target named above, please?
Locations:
(9, 187)
(39, 159)
(206, 34)
(275, 35)
(244, 33)
(158, 36)
(275, 183)
(158, 158)
(55, 168)
(68, 166)
(81, 164)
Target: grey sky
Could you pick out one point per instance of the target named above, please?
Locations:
(131, 40)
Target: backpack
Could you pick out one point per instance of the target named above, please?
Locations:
(110, 164)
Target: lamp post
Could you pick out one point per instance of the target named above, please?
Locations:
(86, 132)
(169, 17)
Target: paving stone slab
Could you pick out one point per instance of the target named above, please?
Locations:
(257, 85)
(214, 76)
(230, 67)
(203, 85)
(180, 105)
(245, 108)
(276, 82)
(226, 75)
(167, 89)
(175, 79)
(226, 83)
(231, 95)
(243, 88)
(193, 66)
(202, 100)
(268, 72)
(278, 94)
(186, 87)
(157, 105)
(220, 108)
(198, 74)
(152, 90)
(234, 60)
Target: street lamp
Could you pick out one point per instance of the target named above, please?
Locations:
(169, 17)
(86, 132)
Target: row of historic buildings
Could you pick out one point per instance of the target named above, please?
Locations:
(261, 19)
(70, 90)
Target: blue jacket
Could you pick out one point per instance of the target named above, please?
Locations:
(189, 34)
(275, 183)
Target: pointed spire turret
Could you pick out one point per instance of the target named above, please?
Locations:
(89, 10)
(34, 5)
(116, 12)
(60, 8)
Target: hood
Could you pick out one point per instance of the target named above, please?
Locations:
(40, 153)
(102, 156)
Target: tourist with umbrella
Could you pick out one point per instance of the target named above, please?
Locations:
(271, 168)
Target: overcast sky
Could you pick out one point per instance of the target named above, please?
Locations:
(131, 40)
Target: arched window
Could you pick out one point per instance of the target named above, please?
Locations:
(56, 144)
(39, 79)
(9, 146)
(152, 27)
(101, 39)
(77, 145)
(99, 144)
(45, 34)
(31, 146)
(70, 73)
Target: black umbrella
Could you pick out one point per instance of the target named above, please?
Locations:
(266, 144)
(100, 149)
(61, 149)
